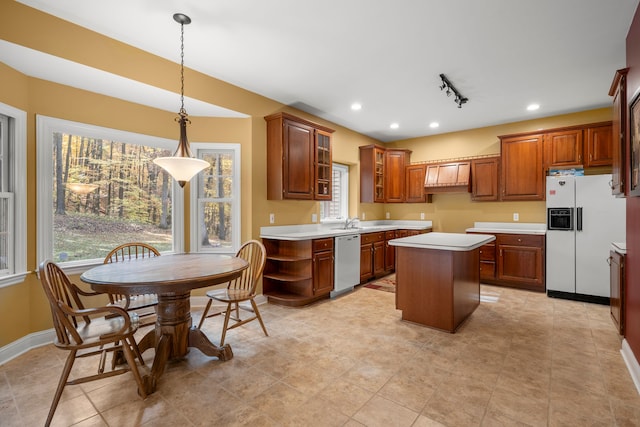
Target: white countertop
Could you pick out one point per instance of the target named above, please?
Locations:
(508, 228)
(444, 241)
(317, 231)
(620, 247)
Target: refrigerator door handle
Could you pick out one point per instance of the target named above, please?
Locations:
(578, 219)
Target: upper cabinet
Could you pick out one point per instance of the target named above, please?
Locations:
(563, 148)
(447, 177)
(587, 146)
(598, 148)
(414, 183)
(522, 176)
(298, 159)
(485, 174)
(382, 174)
(619, 148)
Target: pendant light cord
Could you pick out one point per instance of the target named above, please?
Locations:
(182, 110)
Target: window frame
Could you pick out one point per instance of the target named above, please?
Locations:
(236, 214)
(45, 127)
(344, 202)
(17, 143)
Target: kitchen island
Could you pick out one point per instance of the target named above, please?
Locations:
(438, 278)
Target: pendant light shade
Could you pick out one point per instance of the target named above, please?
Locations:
(182, 166)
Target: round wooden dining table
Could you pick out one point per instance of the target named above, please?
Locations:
(171, 277)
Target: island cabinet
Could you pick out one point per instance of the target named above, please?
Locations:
(619, 148)
(522, 176)
(298, 159)
(485, 173)
(372, 256)
(297, 272)
(389, 252)
(617, 284)
(514, 260)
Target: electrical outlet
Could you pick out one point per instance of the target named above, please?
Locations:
(388, 215)
(272, 218)
(516, 217)
(421, 215)
(314, 218)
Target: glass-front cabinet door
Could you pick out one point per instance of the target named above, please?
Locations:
(323, 166)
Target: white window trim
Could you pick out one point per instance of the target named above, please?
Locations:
(345, 203)
(235, 214)
(45, 127)
(18, 134)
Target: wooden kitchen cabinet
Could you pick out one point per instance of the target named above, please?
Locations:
(598, 145)
(323, 263)
(520, 260)
(293, 148)
(372, 174)
(447, 177)
(395, 161)
(389, 252)
(485, 173)
(522, 176)
(617, 286)
(514, 260)
(563, 148)
(414, 183)
(618, 134)
(372, 256)
(297, 272)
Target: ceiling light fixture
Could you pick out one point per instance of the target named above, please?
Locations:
(434, 125)
(182, 166)
(446, 84)
(394, 126)
(356, 106)
(533, 107)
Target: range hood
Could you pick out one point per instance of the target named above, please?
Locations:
(450, 177)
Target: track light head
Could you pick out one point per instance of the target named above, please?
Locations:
(446, 84)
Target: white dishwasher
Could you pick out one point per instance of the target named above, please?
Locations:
(346, 263)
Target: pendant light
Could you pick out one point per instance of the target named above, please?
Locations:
(182, 166)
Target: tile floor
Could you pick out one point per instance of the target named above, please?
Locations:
(522, 359)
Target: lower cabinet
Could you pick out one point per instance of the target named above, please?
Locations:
(389, 252)
(372, 256)
(298, 272)
(516, 260)
(617, 283)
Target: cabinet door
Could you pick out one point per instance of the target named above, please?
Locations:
(616, 270)
(520, 264)
(323, 177)
(414, 183)
(371, 174)
(389, 252)
(394, 179)
(366, 262)
(522, 175)
(563, 148)
(322, 272)
(619, 124)
(484, 179)
(378, 258)
(298, 161)
(599, 146)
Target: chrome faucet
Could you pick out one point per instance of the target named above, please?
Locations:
(350, 222)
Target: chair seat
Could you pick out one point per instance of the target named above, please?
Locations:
(137, 302)
(100, 328)
(230, 295)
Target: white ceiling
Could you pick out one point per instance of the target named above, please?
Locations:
(387, 55)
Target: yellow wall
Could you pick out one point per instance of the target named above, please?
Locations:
(23, 309)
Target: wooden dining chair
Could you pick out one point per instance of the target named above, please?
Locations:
(239, 290)
(143, 305)
(82, 334)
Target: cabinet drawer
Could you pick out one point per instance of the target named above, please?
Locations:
(488, 252)
(372, 237)
(521, 240)
(487, 270)
(323, 244)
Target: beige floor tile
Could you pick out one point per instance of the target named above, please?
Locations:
(380, 412)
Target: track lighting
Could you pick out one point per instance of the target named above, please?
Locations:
(446, 84)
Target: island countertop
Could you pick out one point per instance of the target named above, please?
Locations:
(444, 241)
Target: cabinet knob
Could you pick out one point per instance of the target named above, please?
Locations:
(519, 239)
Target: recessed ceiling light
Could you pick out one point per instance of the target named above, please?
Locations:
(533, 107)
(434, 125)
(394, 126)
(356, 106)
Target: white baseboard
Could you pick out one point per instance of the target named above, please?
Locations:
(38, 339)
(26, 343)
(632, 363)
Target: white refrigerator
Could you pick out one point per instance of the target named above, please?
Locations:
(583, 218)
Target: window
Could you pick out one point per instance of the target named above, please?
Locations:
(215, 200)
(338, 207)
(13, 189)
(98, 188)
